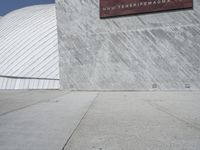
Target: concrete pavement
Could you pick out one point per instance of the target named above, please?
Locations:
(140, 121)
(11, 100)
(56, 120)
(44, 123)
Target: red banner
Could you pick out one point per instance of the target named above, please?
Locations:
(112, 8)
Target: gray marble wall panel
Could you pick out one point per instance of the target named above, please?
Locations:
(140, 52)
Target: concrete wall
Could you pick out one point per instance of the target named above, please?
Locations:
(127, 53)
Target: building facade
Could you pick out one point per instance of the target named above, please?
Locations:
(81, 51)
(29, 56)
(137, 52)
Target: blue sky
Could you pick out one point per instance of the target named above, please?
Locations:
(9, 5)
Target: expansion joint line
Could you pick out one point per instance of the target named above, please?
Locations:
(24, 107)
(65, 145)
(163, 110)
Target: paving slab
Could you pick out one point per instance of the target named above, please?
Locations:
(11, 100)
(140, 121)
(45, 125)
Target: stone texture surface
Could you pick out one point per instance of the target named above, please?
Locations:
(127, 53)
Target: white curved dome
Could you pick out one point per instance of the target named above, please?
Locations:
(29, 49)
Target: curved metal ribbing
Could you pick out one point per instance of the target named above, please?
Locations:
(29, 49)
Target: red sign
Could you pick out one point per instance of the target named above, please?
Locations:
(112, 8)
